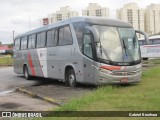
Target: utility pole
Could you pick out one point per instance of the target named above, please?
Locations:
(29, 23)
(13, 36)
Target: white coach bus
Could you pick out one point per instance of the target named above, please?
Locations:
(150, 49)
(89, 50)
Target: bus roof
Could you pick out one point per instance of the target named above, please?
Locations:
(101, 21)
(152, 37)
(92, 20)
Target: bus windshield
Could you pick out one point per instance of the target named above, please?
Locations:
(117, 44)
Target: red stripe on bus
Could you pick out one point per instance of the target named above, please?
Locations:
(31, 64)
(111, 67)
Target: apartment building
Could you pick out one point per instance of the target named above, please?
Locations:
(152, 19)
(63, 13)
(132, 14)
(95, 9)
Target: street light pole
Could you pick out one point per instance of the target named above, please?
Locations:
(29, 23)
(13, 36)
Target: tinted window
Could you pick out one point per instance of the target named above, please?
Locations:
(52, 38)
(38, 40)
(56, 37)
(65, 37)
(156, 41)
(41, 39)
(31, 42)
(17, 44)
(79, 28)
(24, 43)
(60, 42)
(49, 38)
(87, 45)
(142, 42)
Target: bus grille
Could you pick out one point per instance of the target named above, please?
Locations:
(124, 73)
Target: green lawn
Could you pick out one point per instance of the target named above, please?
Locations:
(144, 96)
(6, 61)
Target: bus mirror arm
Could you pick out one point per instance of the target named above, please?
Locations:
(95, 33)
(145, 35)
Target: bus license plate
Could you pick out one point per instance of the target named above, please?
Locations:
(124, 80)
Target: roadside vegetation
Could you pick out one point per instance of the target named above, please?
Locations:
(144, 96)
(6, 60)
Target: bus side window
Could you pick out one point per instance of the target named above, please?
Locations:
(38, 45)
(87, 45)
(60, 41)
(31, 41)
(17, 44)
(41, 40)
(51, 38)
(65, 37)
(156, 41)
(24, 43)
(55, 37)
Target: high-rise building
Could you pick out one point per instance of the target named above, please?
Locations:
(132, 14)
(95, 9)
(63, 13)
(152, 19)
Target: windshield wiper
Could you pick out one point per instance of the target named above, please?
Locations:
(106, 53)
(126, 49)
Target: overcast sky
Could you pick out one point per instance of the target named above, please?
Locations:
(15, 14)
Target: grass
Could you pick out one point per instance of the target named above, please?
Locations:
(6, 61)
(144, 96)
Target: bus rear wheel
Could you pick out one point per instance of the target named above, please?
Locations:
(26, 73)
(71, 78)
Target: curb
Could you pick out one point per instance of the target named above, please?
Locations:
(33, 95)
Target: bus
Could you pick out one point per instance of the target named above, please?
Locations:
(150, 49)
(88, 50)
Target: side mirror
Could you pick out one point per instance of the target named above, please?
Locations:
(95, 33)
(145, 35)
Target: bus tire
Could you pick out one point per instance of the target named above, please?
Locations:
(26, 73)
(70, 78)
(145, 58)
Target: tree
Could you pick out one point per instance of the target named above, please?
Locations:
(0, 42)
(10, 45)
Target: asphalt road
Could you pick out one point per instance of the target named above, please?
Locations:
(10, 80)
(14, 101)
(52, 89)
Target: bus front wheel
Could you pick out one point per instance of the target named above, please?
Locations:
(26, 73)
(70, 78)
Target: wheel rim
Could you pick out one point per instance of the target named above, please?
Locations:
(71, 80)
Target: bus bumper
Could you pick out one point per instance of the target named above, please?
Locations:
(104, 78)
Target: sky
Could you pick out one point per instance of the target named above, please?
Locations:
(16, 14)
